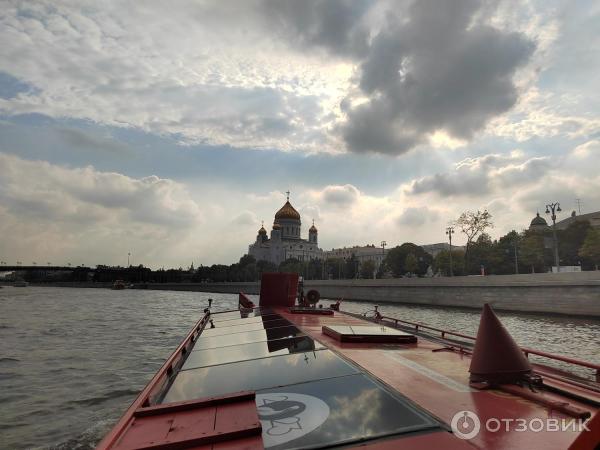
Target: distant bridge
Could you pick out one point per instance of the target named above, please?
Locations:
(32, 268)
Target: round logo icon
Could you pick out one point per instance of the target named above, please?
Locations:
(286, 416)
(465, 424)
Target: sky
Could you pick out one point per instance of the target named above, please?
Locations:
(171, 130)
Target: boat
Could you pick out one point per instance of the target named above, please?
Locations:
(118, 285)
(281, 375)
(20, 283)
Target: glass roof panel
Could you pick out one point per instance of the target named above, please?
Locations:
(220, 328)
(235, 353)
(256, 374)
(335, 411)
(245, 338)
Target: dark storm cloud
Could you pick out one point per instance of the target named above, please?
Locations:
(436, 69)
(332, 24)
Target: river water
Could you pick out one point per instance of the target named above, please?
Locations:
(72, 360)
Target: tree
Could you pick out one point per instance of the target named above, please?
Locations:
(411, 264)
(396, 258)
(591, 246)
(351, 267)
(291, 265)
(367, 269)
(532, 251)
(472, 224)
(571, 240)
(441, 262)
(483, 253)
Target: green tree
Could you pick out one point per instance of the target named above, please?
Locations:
(441, 262)
(472, 224)
(396, 258)
(411, 264)
(504, 250)
(367, 269)
(590, 248)
(532, 252)
(351, 267)
(571, 240)
(263, 266)
(483, 253)
(291, 265)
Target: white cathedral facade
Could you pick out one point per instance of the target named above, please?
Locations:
(285, 241)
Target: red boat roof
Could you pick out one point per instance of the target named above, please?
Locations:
(269, 377)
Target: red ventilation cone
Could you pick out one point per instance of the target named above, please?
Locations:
(496, 357)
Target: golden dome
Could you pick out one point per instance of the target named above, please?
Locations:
(287, 211)
(313, 229)
(262, 230)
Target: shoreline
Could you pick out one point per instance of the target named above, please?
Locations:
(574, 295)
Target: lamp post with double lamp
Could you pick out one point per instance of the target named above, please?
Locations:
(553, 208)
(450, 232)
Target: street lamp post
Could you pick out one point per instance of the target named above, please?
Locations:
(450, 232)
(553, 208)
(128, 255)
(516, 257)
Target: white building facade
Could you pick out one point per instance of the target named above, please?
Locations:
(361, 254)
(285, 241)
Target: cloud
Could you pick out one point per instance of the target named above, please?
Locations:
(315, 76)
(417, 216)
(439, 69)
(334, 25)
(342, 196)
(45, 192)
(245, 218)
(484, 175)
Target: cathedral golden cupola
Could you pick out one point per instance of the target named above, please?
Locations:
(262, 229)
(287, 211)
(313, 229)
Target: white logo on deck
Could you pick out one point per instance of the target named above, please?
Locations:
(465, 425)
(286, 416)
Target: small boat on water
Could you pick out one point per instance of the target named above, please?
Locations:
(118, 285)
(281, 375)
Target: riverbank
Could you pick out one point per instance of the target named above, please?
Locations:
(574, 294)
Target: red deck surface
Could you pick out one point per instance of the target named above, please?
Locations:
(202, 422)
(439, 382)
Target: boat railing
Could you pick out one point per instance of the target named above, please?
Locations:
(157, 384)
(527, 351)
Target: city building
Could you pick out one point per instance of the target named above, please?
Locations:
(361, 254)
(285, 240)
(593, 218)
(539, 224)
(434, 249)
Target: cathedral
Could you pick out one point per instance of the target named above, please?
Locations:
(285, 241)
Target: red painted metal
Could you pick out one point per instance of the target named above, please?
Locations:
(155, 385)
(526, 350)
(245, 301)
(278, 289)
(320, 311)
(555, 405)
(358, 337)
(496, 356)
(436, 440)
(589, 440)
(188, 424)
